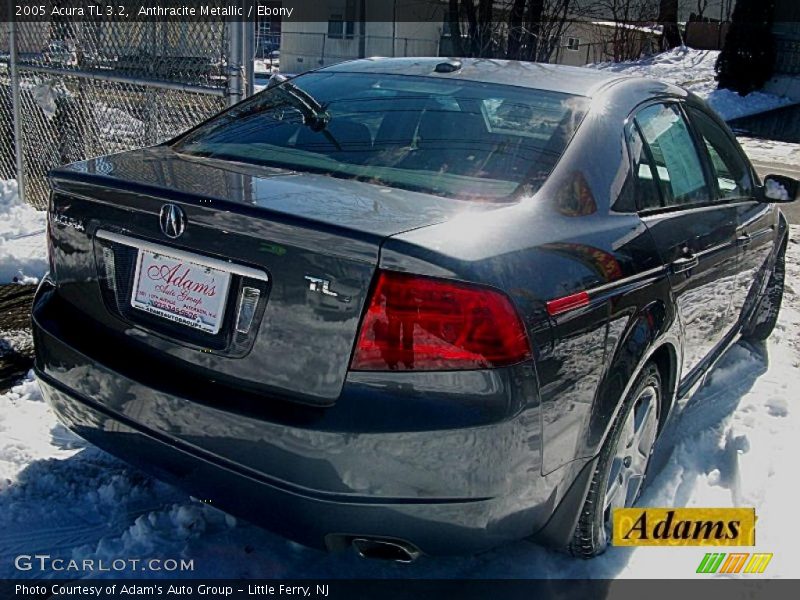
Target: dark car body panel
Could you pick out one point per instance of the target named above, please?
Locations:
(438, 528)
(558, 78)
(379, 450)
(281, 222)
(449, 461)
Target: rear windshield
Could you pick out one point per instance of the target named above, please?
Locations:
(445, 137)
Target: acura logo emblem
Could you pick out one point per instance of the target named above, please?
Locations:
(172, 220)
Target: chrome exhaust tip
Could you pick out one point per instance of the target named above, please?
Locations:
(391, 550)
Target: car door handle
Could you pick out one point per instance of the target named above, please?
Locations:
(687, 263)
(743, 240)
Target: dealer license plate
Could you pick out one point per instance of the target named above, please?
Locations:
(180, 290)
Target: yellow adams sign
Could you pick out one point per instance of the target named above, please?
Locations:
(684, 527)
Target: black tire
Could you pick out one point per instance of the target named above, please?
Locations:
(765, 316)
(591, 535)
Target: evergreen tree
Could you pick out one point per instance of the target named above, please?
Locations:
(748, 58)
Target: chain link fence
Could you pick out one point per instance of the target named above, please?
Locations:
(70, 91)
(7, 164)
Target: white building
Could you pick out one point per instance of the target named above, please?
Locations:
(398, 28)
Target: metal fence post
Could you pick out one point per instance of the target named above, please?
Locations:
(235, 62)
(149, 98)
(249, 56)
(15, 106)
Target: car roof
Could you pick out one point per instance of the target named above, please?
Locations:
(577, 81)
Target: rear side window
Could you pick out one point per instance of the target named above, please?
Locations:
(730, 169)
(678, 167)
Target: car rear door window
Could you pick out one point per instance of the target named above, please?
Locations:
(677, 163)
(730, 169)
(646, 187)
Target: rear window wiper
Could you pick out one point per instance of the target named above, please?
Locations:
(315, 115)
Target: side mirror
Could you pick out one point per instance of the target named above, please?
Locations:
(779, 188)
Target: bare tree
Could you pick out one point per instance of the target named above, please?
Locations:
(551, 31)
(702, 5)
(696, 9)
(630, 23)
(545, 25)
(668, 19)
(473, 27)
(515, 28)
(534, 29)
(729, 6)
(454, 21)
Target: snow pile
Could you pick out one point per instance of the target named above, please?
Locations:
(22, 245)
(14, 340)
(22, 438)
(117, 125)
(734, 445)
(694, 70)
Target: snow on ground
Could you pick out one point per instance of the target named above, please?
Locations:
(22, 245)
(265, 66)
(116, 125)
(694, 70)
(736, 444)
(771, 151)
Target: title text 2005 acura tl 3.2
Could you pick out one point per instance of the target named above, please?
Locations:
(410, 305)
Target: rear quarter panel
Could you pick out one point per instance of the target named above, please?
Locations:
(568, 237)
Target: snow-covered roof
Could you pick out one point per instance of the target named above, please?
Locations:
(648, 28)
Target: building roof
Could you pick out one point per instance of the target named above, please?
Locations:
(576, 81)
(653, 28)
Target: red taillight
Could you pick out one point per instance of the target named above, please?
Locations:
(425, 324)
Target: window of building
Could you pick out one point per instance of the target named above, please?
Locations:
(338, 28)
(573, 43)
(342, 20)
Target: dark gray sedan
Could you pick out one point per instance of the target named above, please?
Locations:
(410, 305)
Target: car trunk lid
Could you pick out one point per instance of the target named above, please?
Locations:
(298, 251)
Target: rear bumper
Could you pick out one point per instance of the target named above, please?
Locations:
(435, 528)
(313, 475)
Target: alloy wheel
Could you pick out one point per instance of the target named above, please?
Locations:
(631, 456)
